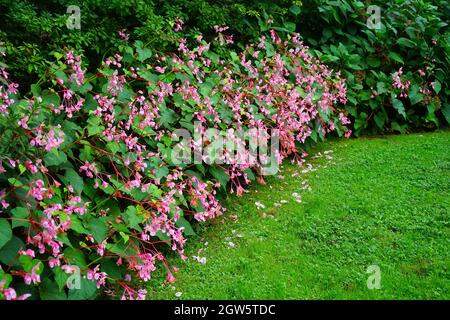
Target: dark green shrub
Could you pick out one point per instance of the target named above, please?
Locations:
(414, 36)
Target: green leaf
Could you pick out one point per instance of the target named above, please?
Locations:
(123, 249)
(437, 86)
(398, 105)
(48, 290)
(60, 277)
(396, 57)
(406, 43)
(373, 62)
(124, 236)
(64, 239)
(414, 95)
(163, 236)
(314, 135)
(88, 290)
(110, 267)
(168, 116)
(26, 262)
(250, 174)
(35, 90)
(290, 26)
(183, 223)
(77, 226)
(206, 89)
(395, 126)
(132, 218)
(5, 232)
(380, 119)
(381, 88)
(10, 251)
(50, 98)
(94, 126)
(431, 115)
(55, 158)
(21, 214)
(15, 182)
(22, 168)
(446, 112)
(113, 146)
(220, 174)
(74, 179)
(99, 228)
(359, 123)
(161, 172)
(270, 51)
(143, 53)
(295, 10)
(75, 256)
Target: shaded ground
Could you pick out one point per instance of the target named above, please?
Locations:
(379, 201)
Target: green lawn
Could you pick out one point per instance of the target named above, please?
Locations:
(378, 201)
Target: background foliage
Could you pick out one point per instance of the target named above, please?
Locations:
(396, 80)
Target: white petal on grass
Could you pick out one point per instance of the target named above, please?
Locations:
(259, 205)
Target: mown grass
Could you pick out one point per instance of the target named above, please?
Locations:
(379, 201)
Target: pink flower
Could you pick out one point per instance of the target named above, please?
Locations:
(24, 296)
(170, 278)
(160, 70)
(90, 169)
(101, 248)
(27, 252)
(142, 293)
(221, 28)
(95, 275)
(344, 119)
(54, 262)
(178, 25)
(68, 269)
(23, 122)
(127, 277)
(123, 35)
(32, 277)
(10, 294)
(4, 204)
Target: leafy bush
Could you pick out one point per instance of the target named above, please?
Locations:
(397, 75)
(33, 30)
(88, 178)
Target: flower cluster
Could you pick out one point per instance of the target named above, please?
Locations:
(98, 184)
(400, 83)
